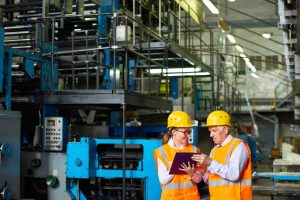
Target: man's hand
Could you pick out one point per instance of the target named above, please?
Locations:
(202, 159)
(189, 169)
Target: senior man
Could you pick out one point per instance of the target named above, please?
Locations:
(228, 168)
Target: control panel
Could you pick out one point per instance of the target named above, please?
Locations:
(192, 138)
(55, 134)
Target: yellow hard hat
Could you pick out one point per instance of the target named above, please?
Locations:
(179, 119)
(218, 118)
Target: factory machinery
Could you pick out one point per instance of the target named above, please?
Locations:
(78, 76)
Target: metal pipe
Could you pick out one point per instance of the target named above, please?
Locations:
(133, 24)
(149, 77)
(78, 68)
(159, 17)
(169, 21)
(76, 51)
(87, 57)
(115, 53)
(17, 27)
(126, 73)
(52, 56)
(16, 33)
(18, 41)
(35, 15)
(179, 27)
(98, 67)
(73, 58)
(124, 149)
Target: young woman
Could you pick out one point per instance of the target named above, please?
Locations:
(177, 186)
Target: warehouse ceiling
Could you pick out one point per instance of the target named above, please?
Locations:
(247, 20)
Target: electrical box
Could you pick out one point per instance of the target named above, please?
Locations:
(121, 33)
(55, 134)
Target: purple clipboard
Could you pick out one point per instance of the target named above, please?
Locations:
(179, 159)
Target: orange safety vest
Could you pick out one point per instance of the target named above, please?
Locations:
(181, 186)
(224, 189)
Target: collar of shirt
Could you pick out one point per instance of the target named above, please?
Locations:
(172, 144)
(226, 140)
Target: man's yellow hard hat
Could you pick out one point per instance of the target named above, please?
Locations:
(218, 118)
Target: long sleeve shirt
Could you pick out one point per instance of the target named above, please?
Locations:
(163, 174)
(234, 168)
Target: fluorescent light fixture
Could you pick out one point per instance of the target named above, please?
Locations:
(254, 75)
(188, 74)
(243, 55)
(231, 38)
(266, 35)
(239, 48)
(175, 70)
(211, 7)
(231, 0)
(251, 67)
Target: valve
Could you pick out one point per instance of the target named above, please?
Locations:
(4, 149)
(52, 181)
(5, 192)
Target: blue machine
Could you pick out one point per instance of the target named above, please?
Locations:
(101, 159)
(86, 159)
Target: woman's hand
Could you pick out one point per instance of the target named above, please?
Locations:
(188, 168)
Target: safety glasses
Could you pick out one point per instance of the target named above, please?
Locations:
(185, 132)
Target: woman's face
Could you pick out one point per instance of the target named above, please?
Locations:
(180, 135)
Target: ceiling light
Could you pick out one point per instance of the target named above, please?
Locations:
(266, 35)
(251, 67)
(231, 38)
(211, 6)
(243, 55)
(239, 48)
(254, 75)
(189, 74)
(231, 0)
(175, 70)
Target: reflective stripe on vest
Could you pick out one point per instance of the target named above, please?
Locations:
(178, 185)
(163, 155)
(195, 149)
(229, 151)
(223, 182)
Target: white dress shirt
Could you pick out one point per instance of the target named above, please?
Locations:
(163, 174)
(233, 169)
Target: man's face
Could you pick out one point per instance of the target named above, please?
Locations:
(218, 133)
